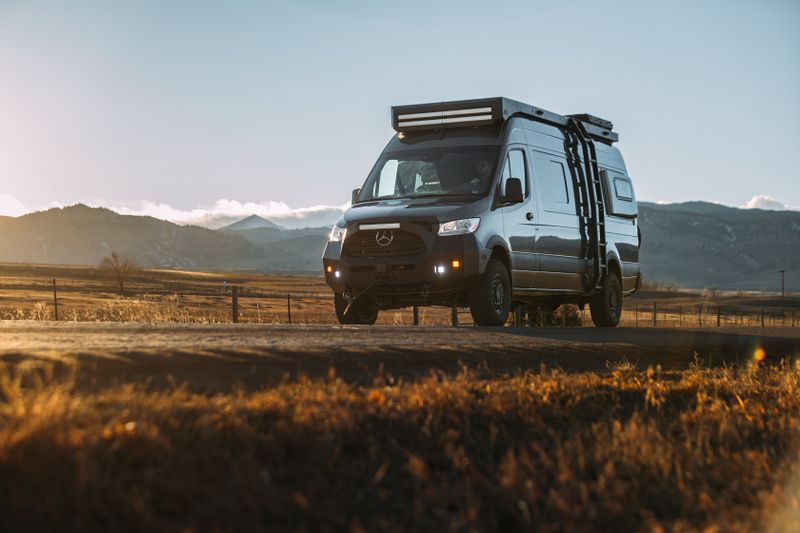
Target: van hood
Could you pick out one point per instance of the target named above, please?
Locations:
(398, 209)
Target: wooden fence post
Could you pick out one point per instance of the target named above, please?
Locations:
(518, 316)
(289, 306)
(654, 314)
(762, 318)
(563, 315)
(454, 316)
(235, 303)
(636, 315)
(680, 316)
(416, 315)
(719, 316)
(55, 301)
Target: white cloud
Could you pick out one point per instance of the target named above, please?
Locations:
(762, 201)
(10, 206)
(225, 211)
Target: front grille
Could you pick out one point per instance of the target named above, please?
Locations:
(364, 244)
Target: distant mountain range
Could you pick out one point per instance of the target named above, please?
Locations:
(84, 235)
(693, 244)
(699, 244)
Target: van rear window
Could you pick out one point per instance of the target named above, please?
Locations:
(623, 190)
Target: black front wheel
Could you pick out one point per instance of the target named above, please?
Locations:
(362, 311)
(606, 304)
(490, 299)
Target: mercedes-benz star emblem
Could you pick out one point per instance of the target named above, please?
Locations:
(384, 238)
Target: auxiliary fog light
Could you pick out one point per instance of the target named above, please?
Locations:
(337, 274)
(439, 269)
(456, 264)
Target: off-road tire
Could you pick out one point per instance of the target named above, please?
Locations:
(606, 304)
(363, 310)
(490, 300)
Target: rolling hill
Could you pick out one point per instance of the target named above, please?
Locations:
(693, 244)
(84, 235)
(699, 244)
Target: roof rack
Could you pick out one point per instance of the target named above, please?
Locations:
(487, 112)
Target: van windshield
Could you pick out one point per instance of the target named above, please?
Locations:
(447, 171)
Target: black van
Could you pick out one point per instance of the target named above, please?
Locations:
(490, 204)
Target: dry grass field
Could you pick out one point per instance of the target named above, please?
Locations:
(509, 442)
(88, 294)
(622, 450)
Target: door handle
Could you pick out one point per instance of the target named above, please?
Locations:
(529, 216)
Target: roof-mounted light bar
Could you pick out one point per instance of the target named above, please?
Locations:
(487, 112)
(444, 121)
(451, 113)
(446, 115)
(461, 117)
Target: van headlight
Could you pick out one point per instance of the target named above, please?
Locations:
(459, 227)
(337, 234)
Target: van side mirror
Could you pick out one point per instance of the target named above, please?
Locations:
(354, 195)
(513, 191)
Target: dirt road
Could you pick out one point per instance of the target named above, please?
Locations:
(219, 357)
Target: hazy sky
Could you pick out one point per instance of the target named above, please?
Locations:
(175, 105)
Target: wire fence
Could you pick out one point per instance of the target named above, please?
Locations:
(645, 314)
(310, 301)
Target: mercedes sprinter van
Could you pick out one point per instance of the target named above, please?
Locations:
(489, 204)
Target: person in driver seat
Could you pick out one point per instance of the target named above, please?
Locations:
(483, 169)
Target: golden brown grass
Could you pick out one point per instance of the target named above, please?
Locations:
(159, 295)
(88, 295)
(623, 450)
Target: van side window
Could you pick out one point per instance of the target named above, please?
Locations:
(552, 182)
(514, 167)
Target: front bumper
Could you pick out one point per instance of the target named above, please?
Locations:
(446, 269)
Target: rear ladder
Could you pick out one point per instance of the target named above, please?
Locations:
(592, 211)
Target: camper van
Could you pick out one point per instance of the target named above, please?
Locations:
(490, 204)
